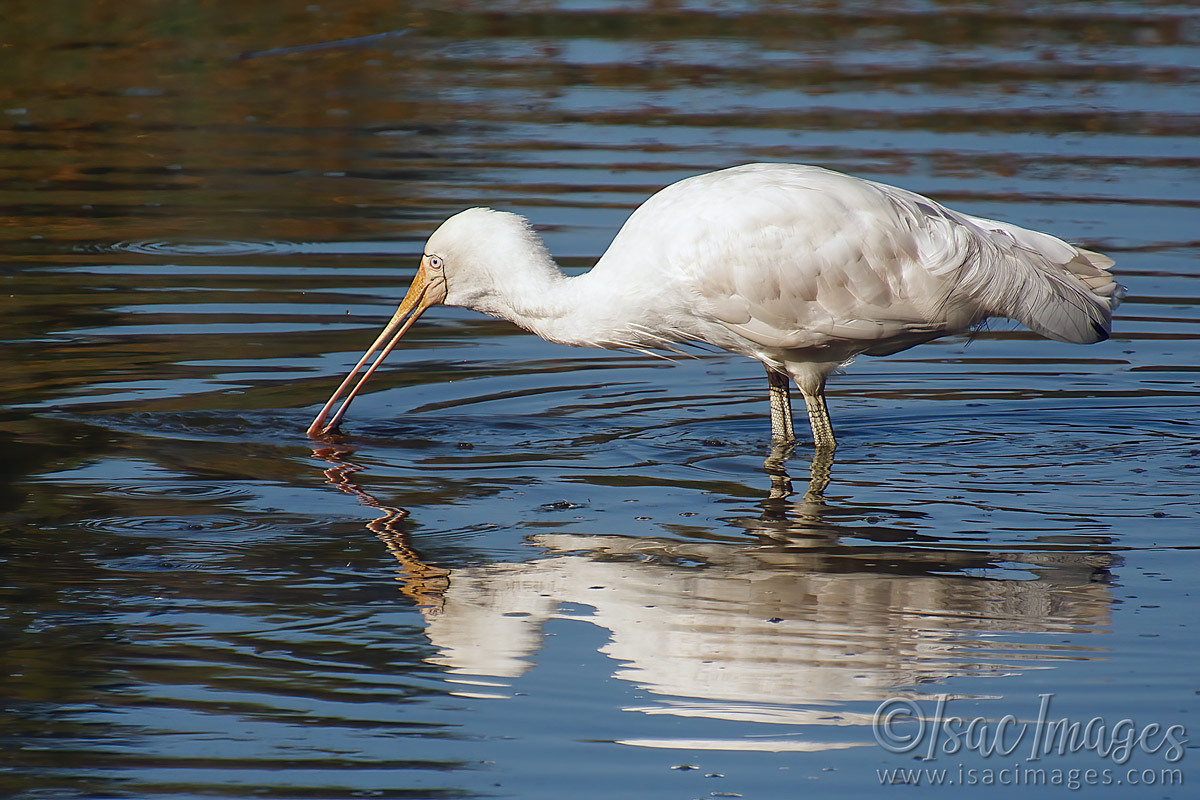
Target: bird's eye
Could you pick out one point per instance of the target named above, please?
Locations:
(435, 262)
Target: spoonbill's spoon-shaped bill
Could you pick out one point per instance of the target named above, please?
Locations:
(798, 267)
(428, 288)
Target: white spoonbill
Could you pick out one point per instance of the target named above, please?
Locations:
(797, 266)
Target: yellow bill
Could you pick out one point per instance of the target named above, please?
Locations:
(428, 288)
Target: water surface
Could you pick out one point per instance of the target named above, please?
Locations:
(532, 571)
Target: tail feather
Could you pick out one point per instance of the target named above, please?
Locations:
(1055, 289)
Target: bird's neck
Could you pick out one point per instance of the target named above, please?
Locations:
(589, 310)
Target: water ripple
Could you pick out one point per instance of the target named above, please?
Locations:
(183, 491)
(197, 248)
(169, 526)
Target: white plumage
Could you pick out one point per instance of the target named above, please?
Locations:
(796, 266)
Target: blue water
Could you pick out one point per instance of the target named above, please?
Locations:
(530, 571)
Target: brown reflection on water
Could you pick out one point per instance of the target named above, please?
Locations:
(147, 119)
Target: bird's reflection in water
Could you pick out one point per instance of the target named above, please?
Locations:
(819, 472)
(769, 626)
(424, 583)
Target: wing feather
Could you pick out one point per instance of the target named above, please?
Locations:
(789, 257)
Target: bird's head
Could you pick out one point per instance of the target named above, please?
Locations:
(482, 253)
(459, 267)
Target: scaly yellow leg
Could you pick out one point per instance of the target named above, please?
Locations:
(779, 386)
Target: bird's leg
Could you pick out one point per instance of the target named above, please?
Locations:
(783, 436)
(824, 444)
(818, 418)
(779, 386)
